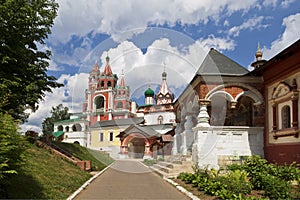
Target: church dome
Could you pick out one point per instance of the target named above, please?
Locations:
(149, 92)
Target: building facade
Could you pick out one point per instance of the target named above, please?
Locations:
(281, 76)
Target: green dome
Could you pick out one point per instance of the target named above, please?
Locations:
(149, 92)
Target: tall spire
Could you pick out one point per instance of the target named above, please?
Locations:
(107, 70)
(122, 82)
(164, 95)
(164, 89)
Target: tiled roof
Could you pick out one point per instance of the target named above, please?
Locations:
(216, 63)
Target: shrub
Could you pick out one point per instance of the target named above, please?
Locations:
(276, 188)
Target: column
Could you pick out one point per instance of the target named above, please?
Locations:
(295, 122)
(203, 117)
(174, 147)
(274, 110)
(189, 134)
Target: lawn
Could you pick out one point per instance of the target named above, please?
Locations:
(46, 176)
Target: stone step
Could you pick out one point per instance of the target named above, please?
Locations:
(173, 166)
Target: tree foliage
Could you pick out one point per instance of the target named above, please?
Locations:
(11, 146)
(58, 113)
(24, 25)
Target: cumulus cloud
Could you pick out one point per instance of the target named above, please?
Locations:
(289, 36)
(114, 17)
(70, 95)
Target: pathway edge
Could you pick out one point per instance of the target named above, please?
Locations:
(72, 196)
(177, 186)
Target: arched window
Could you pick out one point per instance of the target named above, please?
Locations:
(60, 128)
(111, 136)
(108, 84)
(67, 128)
(120, 105)
(76, 127)
(286, 117)
(99, 101)
(160, 119)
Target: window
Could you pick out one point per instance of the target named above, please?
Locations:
(286, 117)
(67, 128)
(60, 128)
(99, 101)
(108, 84)
(76, 127)
(120, 105)
(102, 83)
(101, 137)
(160, 119)
(111, 136)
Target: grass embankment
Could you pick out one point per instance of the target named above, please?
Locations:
(47, 176)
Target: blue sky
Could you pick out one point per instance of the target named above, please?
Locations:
(140, 36)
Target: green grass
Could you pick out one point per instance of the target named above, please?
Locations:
(46, 176)
(99, 159)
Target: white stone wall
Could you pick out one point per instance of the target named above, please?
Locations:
(151, 118)
(214, 142)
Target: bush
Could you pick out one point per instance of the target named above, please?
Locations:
(12, 146)
(276, 188)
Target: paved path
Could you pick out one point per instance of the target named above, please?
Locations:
(129, 179)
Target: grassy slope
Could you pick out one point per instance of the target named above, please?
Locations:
(46, 176)
(99, 159)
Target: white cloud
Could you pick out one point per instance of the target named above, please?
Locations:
(74, 87)
(114, 17)
(250, 24)
(289, 36)
(286, 3)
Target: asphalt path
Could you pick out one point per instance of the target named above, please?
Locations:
(130, 179)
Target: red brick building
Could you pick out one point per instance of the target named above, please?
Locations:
(281, 76)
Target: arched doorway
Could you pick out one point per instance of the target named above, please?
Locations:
(136, 147)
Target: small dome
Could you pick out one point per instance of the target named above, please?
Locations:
(149, 92)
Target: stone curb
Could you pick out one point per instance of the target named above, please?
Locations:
(72, 196)
(177, 186)
(182, 189)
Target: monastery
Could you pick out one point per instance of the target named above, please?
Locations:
(225, 112)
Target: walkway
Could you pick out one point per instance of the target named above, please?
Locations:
(129, 179)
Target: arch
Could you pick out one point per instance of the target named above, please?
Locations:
(76, 142)
(76, 127)
(60, 128)
(228, 96)
(160, 119)
(133, 135)
(250, 94)
(67, 128)
(258, 96)
(281, 90)
(99, 102)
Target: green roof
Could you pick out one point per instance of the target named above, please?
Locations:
(57, 133)
(149, 92)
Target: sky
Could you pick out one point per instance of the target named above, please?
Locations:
(141, 37)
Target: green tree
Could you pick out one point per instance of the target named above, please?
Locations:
(58, 113)
(24, 25)
(11, 146)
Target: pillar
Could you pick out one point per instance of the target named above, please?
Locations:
(189, 134)
(203, 117)
(295, 122)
